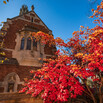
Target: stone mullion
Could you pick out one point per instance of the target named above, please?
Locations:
(25, 42)
(31, 45)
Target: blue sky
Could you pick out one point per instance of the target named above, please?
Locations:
(61, 16)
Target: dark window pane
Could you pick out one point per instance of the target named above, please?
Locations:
(10, 87)
(34, 44)
(22, 44)
(28, 44)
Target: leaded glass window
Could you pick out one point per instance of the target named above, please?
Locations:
(28, 47)
(22, 44)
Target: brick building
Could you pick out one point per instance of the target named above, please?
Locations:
(22, 53)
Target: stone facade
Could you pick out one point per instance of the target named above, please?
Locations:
(22, 54)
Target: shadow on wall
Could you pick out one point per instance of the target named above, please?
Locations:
(18, 98)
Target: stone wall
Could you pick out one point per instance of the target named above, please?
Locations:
(18, 98)
(22, 71)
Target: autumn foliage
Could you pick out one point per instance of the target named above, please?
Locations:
(77, 70)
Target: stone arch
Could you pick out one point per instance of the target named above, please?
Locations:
(12, 79)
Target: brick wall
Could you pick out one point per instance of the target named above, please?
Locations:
(22, 71)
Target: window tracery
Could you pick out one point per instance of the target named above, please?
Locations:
(28, 43)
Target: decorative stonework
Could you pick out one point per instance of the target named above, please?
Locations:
(23, 10)
(11, 78)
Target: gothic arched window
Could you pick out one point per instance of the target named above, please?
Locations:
(28, 47)
(22, 44)
(34, 44)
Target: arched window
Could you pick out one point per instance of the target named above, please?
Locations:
(28, 47)
(22, 44)
(11, 82)
(34, 44)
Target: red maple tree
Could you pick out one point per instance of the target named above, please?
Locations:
(77, 70)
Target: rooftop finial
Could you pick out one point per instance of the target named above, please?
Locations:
(23, 10)
(32, 7)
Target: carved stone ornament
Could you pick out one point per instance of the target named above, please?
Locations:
(32, 7)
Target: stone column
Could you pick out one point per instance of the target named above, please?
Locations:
(18, 41)
(25, 42)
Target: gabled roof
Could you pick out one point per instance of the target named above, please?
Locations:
(29, 13)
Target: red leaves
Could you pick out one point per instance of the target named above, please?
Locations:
(44, 38)
(92, 10)
(56, 85)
